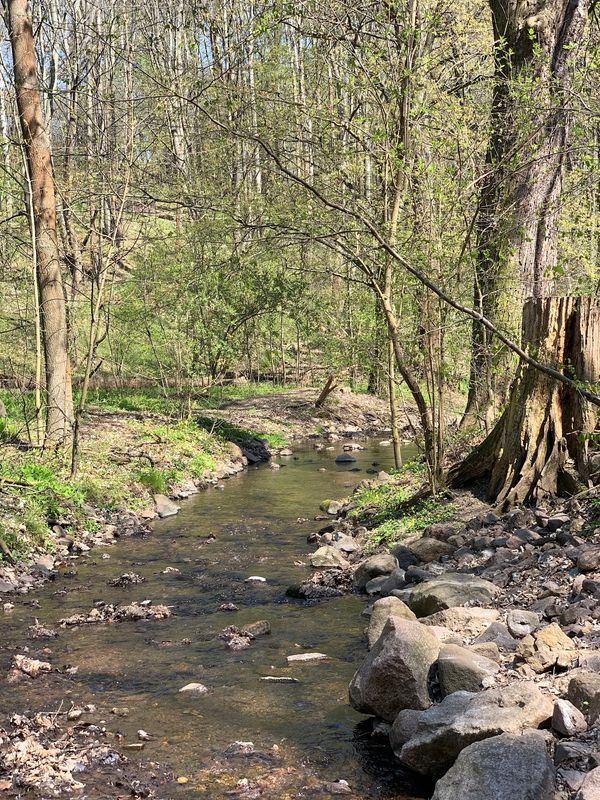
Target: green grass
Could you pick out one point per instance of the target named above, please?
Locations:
(420, 515)
(228, 431)
(122, 463)
(156, 400)
(384, 510)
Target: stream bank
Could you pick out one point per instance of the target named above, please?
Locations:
(135, 453)
(483, 662)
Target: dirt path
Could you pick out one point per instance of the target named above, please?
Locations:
(293, 413)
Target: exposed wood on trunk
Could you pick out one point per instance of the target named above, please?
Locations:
(540, 442)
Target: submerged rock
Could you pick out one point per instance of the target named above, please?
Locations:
(194, 688)
(345, 458)
(304, 657)
(127, 579)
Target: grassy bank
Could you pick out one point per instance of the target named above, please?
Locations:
(134, 443)
(384, 510)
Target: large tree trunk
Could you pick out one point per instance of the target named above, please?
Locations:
(516, 226)
(539, 445)
(59, 404)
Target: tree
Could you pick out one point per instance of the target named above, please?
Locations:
(540, 443)
(516, 226)
(58, 395)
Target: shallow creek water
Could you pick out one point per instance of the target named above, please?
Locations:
(141, 666)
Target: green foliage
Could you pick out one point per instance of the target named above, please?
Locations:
(418, 517)
(153, 479)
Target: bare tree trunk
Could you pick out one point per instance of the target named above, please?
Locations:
(539, 445)
(516, 225)
(59, 404)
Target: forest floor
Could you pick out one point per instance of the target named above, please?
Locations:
(293, 415)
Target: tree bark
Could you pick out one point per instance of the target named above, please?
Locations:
(539, 445)
(516, 228)
(59, 404)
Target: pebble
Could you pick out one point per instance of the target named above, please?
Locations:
(194, 688)
(306, 657)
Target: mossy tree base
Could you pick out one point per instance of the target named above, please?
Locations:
(539, 446)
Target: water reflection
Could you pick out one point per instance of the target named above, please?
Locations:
(256, 526)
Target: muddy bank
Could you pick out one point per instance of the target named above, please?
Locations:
(293, 414)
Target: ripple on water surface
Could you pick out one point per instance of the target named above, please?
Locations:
(304, 733)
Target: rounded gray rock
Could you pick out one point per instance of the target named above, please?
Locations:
(521, 623)
(506, 767)
(395, 674)
(373, 567)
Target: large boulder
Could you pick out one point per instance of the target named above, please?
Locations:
(505, 767)
(427, 549)
(328, 557)
(373, 567)
(460, 669)
(429, 741)
(382, 610)
(395, 674)
(452, 589)
(467, 621)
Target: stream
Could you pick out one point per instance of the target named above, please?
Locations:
(305, 733)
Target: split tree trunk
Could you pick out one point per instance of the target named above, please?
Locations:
(539, 445)
(59, 402)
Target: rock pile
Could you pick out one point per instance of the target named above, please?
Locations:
(481, 634)
(111, 613)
